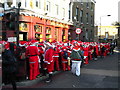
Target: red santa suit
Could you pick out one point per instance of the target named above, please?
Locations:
(56, 58)
(86, 49)
(32, 53)
(90, 51)
(105, 52)
(96, 46)
(48, 60)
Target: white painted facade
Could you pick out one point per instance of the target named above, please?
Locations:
(57, 10)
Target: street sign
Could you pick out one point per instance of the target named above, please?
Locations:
(78, 30)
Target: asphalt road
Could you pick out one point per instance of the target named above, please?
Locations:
(102, 73)
(0, 73)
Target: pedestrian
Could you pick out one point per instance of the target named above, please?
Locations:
(48, 61)
(56, 58)
(64, 59)
(76, 57)
(41, 53)
(112, 46)
(9, 68)
(103, 51)
(32, 53)
(86, 50)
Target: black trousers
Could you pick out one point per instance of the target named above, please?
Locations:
(9, 78)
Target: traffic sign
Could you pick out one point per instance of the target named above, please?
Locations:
(78, 30)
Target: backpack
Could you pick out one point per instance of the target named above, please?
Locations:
(65, 55)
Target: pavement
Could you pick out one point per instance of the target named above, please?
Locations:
(32, 82)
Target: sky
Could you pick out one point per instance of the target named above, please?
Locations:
(104, 8)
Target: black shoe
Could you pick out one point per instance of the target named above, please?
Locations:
(38, 76)
(48, 80)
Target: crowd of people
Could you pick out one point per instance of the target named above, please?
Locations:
(44, 58)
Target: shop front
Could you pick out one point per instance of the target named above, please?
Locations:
(32, 27)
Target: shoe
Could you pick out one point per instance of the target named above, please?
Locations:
(47, 81)
(95, 59)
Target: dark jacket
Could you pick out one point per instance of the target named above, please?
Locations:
(8, 62)
(76, 54)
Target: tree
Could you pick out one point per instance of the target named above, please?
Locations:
(118, 26)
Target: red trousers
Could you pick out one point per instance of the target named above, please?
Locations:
(86, 60)
(90, 56)
(56, 63)
(65, 66)
(34, 69)
(49, 67)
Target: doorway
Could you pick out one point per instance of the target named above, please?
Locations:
(23, 36)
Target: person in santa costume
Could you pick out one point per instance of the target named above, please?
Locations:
(90, 53)
(76, 57)
(41, 53)
(32, 54)
(103, 50)
(56, 58)
(64, 59)
(86, 50)
(48, 60)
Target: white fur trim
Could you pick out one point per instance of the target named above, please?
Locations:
(77, 49)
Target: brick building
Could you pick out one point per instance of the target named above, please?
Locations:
(83, 17)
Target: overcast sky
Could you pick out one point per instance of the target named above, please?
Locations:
(104, 8)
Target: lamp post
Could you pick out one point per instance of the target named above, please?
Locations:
(100, 25)
(17, 24)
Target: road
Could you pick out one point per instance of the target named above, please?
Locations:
(102, 73)
(0, 73)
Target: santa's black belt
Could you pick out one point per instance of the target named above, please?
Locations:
(32, 55)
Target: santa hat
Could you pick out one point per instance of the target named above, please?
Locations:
(64, 48)
(22, 43)
(48, 43)
(33, 42)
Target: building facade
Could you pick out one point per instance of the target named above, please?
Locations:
(1, 17)
(107, 33)
(40, 19)
(83, 17)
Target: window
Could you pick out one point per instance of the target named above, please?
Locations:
(77, 9)
(91, 20)
(56, 12)
(81, 16)
(25, 3)
(91, 6)
(69, 14)
(69, 10)
(31, 3)
(86, 35)
(48, 6)
(36, 3)
(87, 17)
(87, 4)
